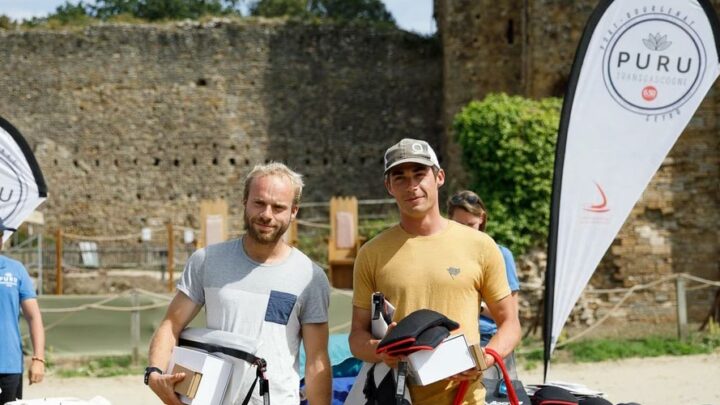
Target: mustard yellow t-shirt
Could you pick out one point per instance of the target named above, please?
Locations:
(449, 272)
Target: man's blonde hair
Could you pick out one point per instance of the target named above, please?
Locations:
(275, 169)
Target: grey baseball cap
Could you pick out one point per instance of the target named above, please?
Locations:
(410, 151)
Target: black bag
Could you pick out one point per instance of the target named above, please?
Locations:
(594, 401)
(553, 396)
(198, 338)
(423, 329)
(495, 395)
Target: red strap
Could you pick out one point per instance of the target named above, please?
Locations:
(462, 390)
(512, 396)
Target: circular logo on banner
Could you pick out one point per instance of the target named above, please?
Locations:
(12, 189)
(653, 62)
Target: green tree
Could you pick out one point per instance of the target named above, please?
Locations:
(6, 22)
(343, 10)
(279, 8)
(368, 10)
(162, 9)
(69, 12)
(150, 10)
(508, 147)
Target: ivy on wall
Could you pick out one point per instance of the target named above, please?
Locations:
(508, 148)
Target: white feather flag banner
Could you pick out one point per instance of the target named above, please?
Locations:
(641, 70)
(22, 186)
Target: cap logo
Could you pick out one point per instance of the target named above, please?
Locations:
(417, 148)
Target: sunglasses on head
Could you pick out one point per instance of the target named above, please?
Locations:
(458, 199)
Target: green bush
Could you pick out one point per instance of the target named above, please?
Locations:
(508, 147)
(6, 23)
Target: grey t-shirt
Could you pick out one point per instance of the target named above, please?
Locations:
(266, 303)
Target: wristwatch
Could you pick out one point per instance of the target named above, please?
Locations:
(150, 370)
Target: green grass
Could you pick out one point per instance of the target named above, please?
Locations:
(600, 350)
(615, 349)
(108, 366)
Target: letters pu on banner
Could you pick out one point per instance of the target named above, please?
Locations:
(641, 70)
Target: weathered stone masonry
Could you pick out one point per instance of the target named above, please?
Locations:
(134, 125)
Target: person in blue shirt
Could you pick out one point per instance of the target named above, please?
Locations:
(468, 209)
(16, 293)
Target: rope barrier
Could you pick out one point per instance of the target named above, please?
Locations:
(71, 267)
(100, 238)
(598, 323)
(360, 202)
(699, 279)
(100, 304)
(165, 298)
(312, 224)
(136, 235)
(628, 292)
(696, 279)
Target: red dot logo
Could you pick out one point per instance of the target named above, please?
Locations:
(649, 93)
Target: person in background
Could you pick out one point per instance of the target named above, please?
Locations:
(257, 285)
(468, 209)
(403, 263)
(16, 293)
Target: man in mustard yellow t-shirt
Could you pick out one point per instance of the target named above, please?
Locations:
(427, 261)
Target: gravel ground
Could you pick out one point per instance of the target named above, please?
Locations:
(691, 380)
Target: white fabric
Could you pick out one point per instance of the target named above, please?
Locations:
(243, 373)
(267, 304)
(379, 328)
(344, 230)
(647, 68)
(98, 400)
(19, 193)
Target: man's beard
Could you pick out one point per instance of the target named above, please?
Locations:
(264, 238)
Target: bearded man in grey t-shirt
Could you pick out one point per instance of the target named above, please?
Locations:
(258, 287)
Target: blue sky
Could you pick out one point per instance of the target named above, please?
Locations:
(411, 15)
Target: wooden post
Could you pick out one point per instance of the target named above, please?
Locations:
(58, 262)
(681, 307)
(135, 328)
(170, 256)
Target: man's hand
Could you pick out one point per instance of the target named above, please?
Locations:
(36, 372)
(471, 375)
(163, 385)
(390, 360)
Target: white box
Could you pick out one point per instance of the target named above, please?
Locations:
(451, 357)
(215, 374)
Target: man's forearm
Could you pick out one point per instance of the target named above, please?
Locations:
(37, 337)
(318, 381)
(506, 338)
(363, 346)
(161, 346)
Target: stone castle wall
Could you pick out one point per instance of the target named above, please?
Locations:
(133, 125)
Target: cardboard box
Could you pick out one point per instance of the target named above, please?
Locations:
(189, 385)
(452, 356)
(209, 372)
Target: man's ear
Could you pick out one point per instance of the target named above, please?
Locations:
(293, 211)
(387, 186)
(440, 178)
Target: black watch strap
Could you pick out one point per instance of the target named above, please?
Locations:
(150, 370)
